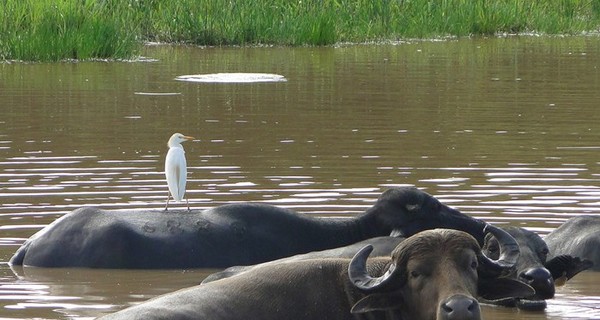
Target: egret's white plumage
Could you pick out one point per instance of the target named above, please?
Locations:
(176, 168)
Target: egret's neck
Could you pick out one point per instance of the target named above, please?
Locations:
(175, 145)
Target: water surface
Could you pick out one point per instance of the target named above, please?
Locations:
(504, 129)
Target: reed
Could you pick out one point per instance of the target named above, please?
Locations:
(84, 29)
(46, 30)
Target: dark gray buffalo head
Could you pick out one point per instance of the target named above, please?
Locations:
(437, 274)
(533, 268)
(406, 211)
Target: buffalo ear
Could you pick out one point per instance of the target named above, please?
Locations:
(565, 267)
(500, 288)
(378, 302)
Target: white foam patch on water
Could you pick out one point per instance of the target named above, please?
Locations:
(157, 93)
(232, 78)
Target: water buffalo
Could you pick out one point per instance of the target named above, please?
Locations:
(532, 267)
(233, 234)
(432, 275)
(578, 236)
(382, 247)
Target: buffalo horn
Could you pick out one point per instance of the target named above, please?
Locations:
(509, 252)
(359, 276)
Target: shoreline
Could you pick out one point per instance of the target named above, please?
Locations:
(43, 30)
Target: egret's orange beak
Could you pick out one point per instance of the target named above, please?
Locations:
(188, 138)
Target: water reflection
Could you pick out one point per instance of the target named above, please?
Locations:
(502, 129)
(81, 294)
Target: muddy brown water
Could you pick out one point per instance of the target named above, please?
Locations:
(504, 129)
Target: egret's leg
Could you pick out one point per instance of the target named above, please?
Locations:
(188, 204)
(168, 197)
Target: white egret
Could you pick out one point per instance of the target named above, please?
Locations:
(176, 168)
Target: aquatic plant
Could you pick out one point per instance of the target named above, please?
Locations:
(84, 29)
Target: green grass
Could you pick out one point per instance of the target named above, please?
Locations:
(45, 30)
(51, 30)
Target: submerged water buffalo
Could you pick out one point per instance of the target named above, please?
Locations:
(234, 234)
(382, 247)
(532, 267)
(578, 236)
(432, 275)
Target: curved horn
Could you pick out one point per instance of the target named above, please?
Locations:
(359, 276)
(509, 252)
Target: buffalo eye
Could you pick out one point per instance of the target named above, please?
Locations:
(474, 265)
(544, 253)
(414, 274)
(412, 207)
(493, 248)
(492, 251)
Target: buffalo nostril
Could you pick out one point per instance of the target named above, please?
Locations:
(526, 277)
(460, 307)
(447, 308)
(473, 306)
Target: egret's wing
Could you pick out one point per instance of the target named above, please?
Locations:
(175, 171)
(182, 176)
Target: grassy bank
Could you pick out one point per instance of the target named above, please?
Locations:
(47, 30)
(51, 30)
